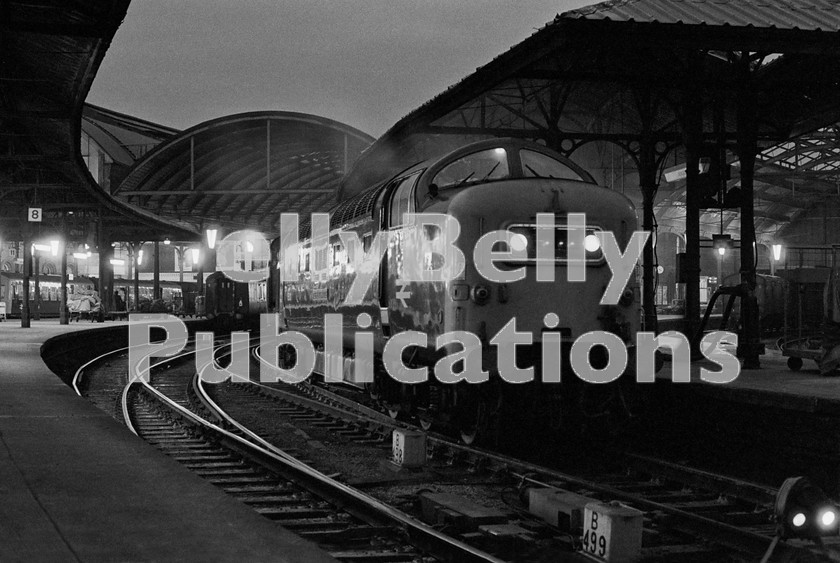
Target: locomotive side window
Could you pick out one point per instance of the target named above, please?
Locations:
(539, 165)
(482, 166)
(402, 200)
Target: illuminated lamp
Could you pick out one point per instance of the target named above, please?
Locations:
(592, 243)
(722, 243)
(54, 247)
(777, 252)
(804, 511)
(194, 253)
(117, 262)
(211, 238)
(166, 240)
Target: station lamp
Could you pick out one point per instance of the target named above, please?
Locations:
(194, 254)
(777, 252)
(211, 238)
(166, 241)
(804, 511)
(722, 243)
(81, 253)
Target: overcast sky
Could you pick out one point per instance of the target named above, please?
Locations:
(366, 63)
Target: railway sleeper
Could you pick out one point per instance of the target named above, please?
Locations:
(379, 555)
(293, 513)
(323, 525)
(274, 488)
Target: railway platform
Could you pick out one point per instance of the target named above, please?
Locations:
(77, 486)
(784, 422)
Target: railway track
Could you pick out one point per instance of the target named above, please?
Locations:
(169, 414)
(690, 515)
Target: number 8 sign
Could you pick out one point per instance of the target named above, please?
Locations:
(35, 215)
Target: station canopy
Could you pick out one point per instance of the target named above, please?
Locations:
(596, 82)
(50, 51)
(242, 171)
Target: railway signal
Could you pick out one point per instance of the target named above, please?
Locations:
(804, 511)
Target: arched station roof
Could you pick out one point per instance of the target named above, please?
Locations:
(124, 137)
(242, 171)
(595, 82)
(50, 51)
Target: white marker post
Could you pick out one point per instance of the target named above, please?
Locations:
(612, 532)
(409, 448)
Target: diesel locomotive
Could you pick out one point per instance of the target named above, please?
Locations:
(496, 185)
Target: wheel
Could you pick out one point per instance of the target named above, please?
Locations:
(468, 437)
(795, 364)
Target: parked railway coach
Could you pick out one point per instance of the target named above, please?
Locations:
(493, 185)
(231, 303)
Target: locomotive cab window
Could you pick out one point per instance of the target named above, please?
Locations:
(482, 166)
(402, 200)
(539, 165)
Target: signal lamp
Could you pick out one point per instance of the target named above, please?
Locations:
(804, 511)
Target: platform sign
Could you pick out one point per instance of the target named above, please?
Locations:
(34, 215)
(612, 532)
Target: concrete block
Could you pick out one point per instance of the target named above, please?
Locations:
(457, 511)
(559, 508)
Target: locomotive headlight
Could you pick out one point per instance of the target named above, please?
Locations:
(592, 243)
(827, 518)
(518, 242)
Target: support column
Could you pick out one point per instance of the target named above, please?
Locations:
(156, 294)
(199, 276)
(63, 317)
(27, 271)
(693, 138)
(750, 344)
(36, 271)
(138, 248)
(647, 183)
(104, 248)
(181, 251)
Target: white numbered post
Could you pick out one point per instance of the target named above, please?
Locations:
(612, 532)
(35, 215)
(409, 448)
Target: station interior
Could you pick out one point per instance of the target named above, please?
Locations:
(719, 121)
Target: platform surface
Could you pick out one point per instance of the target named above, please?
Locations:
(75, 485)
(773, 384)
